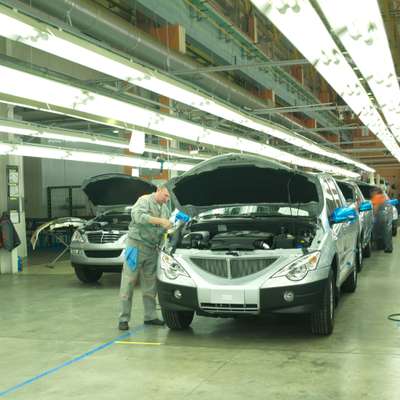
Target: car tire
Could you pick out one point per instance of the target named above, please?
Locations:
(177, 320)
(367, 250)
(322, 321)
(359, 257)
(87, 275)
(350, 284)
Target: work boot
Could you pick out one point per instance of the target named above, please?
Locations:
(123, 326)
(156, 322)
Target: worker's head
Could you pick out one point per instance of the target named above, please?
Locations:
(162, 195)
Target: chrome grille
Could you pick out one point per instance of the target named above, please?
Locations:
(232, 268)
(103, 237)
(214, 266)
(244, 267)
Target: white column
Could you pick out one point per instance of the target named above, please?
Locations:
(9, 260)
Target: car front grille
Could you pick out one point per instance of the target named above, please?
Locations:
(244, 267)
(103, 237)
(214, 266)
(225, 307)
(232, 268)
(103, 253)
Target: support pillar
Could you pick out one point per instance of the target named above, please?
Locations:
(9, 260)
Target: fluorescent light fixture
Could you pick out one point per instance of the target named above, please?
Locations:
(359, 26)
(302, 26)
(87, 156)
(44, 132)
(26, 30)
(137, 143)
(50, 93)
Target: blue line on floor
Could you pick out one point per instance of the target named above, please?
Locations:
(72, 361)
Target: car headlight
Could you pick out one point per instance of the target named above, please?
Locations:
(78, 237)
(298, 269)
(170, 267)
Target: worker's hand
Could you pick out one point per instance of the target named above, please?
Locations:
(165, 223)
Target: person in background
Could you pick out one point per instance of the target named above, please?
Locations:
(382, 219)
(149, 223)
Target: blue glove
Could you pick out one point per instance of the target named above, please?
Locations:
(131, 258)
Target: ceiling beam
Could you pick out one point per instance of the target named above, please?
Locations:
(222, 68)
(305, 108)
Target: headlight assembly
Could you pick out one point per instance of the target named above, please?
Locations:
(298, 269)
(78, 237)
(170, 267)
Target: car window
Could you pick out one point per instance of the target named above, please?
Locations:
(338, 197)
(330, 201)
(358, 195)
(366, 191)
(347, 191)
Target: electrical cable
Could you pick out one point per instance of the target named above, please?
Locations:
(394, 317)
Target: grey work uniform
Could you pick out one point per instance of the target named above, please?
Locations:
(146, 238)
(382, 230)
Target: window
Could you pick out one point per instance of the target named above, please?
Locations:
(330, 201)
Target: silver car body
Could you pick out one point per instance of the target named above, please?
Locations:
(102, 247)
(354, 198)
(99, 245)
(224, 283)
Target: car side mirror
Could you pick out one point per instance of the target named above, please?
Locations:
(393, 202)
(343, 214)
(365, 206)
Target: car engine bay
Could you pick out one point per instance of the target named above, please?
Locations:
(244, 234)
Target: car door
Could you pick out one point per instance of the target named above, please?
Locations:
(352, 233)
(366, 218)
(336, 229)
(347, 234)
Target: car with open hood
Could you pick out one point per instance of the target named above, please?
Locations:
(355, 198)
(262, 238)
(98, 246)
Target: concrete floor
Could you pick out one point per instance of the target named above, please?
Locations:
(58, 341)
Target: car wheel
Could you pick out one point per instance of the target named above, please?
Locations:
(322, 321)
(367, 250)
(359, 258)
(350, 284)
(87, 275)
(177, 320)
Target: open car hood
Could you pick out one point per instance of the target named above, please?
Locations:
(238, 179)
(115, 189)
(58, 223)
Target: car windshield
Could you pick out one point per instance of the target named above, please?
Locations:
(267, 210)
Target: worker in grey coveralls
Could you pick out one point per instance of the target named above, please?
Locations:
(149, 223)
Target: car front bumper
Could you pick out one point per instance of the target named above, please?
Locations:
(296, 299)
(98, 255)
